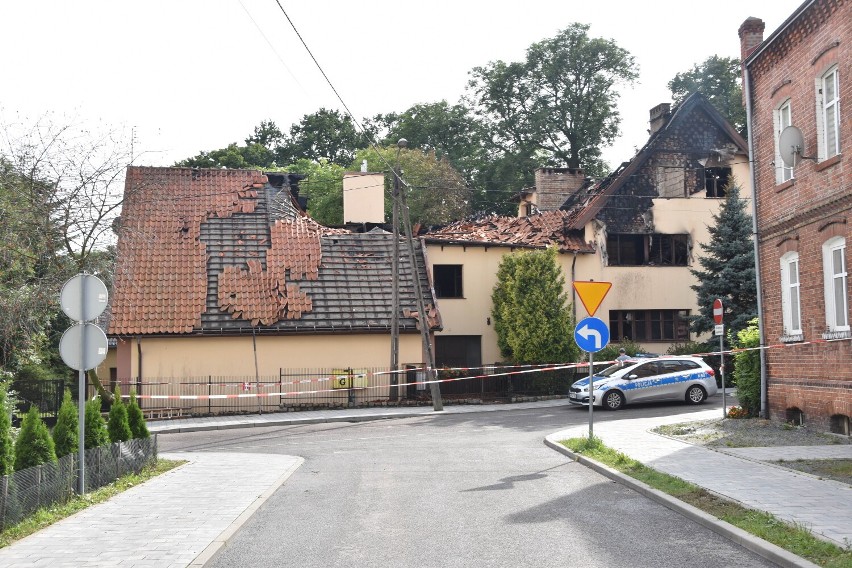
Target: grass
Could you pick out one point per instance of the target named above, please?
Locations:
(49, 515)
(793, 538)
(836, 469)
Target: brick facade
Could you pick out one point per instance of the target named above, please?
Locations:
(800, 215)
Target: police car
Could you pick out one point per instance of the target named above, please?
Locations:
(648, 380)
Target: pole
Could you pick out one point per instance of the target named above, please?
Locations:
(394, 362)
(722, 371)
(256, 371)
(434, 389)
(81, 400)
(591, 396)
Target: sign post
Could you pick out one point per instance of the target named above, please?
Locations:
(718, 317)
(83, 346)
(591, 334)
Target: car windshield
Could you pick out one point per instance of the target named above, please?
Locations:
(610, 371)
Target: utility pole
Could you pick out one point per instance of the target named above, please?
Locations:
(434, 388)
(394, 362)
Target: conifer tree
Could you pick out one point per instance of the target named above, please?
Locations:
(136, 419)
(728, 270)
(531, 313)
(7, 447)
(66, 431)
(118, 426)
(96, 431)
(34, 445)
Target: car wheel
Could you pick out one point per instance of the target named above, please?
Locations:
(613, 400)
(696, 394)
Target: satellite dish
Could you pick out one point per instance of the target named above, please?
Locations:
(791, 146)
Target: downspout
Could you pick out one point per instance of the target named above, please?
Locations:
(139, 360)
(573, 291)
(751, 156)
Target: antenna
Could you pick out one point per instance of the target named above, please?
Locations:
(791, 146)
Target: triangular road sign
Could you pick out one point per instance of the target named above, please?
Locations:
(592, 294)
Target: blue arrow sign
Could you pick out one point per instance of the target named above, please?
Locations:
(591, 335)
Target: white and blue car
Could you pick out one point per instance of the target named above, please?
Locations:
(648, 380)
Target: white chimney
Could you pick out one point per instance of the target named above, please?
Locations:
(363, 197)
(364, 166)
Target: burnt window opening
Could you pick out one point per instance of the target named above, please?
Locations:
(716, 180)
(647, 250)
(448, 280)
(649, 325)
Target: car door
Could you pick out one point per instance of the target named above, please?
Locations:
(639, 383)
(672, 380)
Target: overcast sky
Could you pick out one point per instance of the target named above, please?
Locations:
(192, 75)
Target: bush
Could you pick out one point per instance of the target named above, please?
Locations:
(611, 351)
(34, 445)
(136, 419)
(96, 430)
(118, 426)
(7, 446)
(736, 412)
(747, 370)
(66, 432)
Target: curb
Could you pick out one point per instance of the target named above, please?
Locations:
(212, 549)
(747, 540)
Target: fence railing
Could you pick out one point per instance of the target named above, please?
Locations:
(54, 483)
(313, 388)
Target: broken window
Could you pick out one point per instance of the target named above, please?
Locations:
(448, 280)
(649, 325)
(653, 250)
(671, 181)
(716, 180)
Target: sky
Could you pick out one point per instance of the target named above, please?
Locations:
(181, 76)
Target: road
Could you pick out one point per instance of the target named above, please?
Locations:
(476, 489)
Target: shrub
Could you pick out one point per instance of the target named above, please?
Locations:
(34, 445)
(118, 426)
(611, 351)
(96, 430)
(736, 412)
(136, 419)
(747, 370)
(65, 433)
(7, 446)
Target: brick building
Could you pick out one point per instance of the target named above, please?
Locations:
(798, 90)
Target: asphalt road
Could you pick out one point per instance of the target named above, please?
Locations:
(454, 490)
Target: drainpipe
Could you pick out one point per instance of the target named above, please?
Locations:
(573, 291)
(139, 359)
(764, 413)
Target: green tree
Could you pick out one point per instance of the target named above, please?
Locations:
(532, 316)
(136, 419)
(65, 433)
(325, 135)
(118, 425)
(323, 186)
(96, 429)
(719, 79)
(560, 102)
(728, 271)
(747, 368)
(438, 193)
(7, 446)
(34, 445)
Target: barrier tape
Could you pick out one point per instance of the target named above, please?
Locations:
(525, 369)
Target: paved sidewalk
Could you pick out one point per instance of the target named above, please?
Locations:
(821, 505)
(181, 518)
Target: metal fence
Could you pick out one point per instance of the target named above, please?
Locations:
(327, 388)
(24, 492)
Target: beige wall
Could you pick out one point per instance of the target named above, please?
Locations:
(363, 197)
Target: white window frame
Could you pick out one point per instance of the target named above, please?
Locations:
(791, 300)
(783, 119)
(828, 114)
(836, 285)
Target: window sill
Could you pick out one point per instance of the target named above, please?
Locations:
(786, 185)
(792, 338)
(825, 164)
(843, 334)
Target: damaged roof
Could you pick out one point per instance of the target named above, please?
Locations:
(535, 231)
(229, 251)
(687, 133)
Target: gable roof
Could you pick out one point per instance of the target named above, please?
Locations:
(585, 204)
(228, 251)
(534, 231)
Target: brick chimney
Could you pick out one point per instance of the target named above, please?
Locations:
(751, 36)
(554, 185)
(659, 116)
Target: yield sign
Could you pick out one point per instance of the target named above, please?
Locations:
(592, 294)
